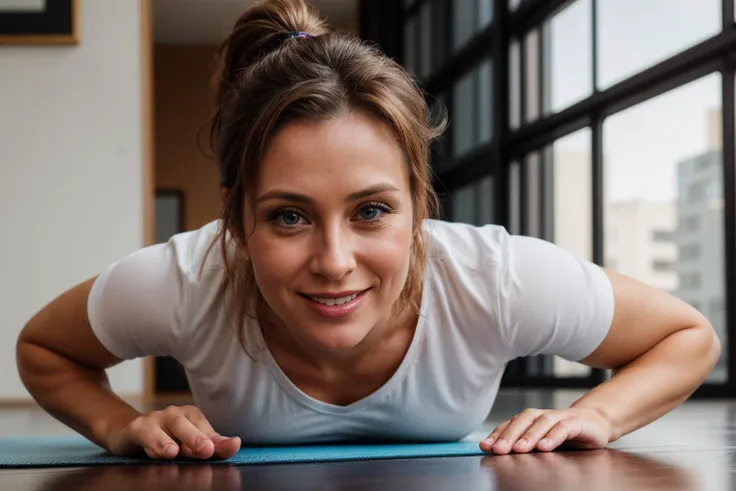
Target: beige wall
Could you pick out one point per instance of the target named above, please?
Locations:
(182, 110)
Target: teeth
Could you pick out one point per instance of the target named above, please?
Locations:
(335, 301)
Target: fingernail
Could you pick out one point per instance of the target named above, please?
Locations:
(502, 442)
(522, 442)
(489, 441)
(170, 451)
(201, 443)
(545, 441)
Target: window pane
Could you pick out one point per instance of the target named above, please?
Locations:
(531, 75)
(410, 44)
(485, 108)
(514, 4)
(463, 204)
(670, 183)
(425, 39)
(634, 35)
(463, 115)
(485, 12)
(514, 198)
(514, 84)
(532, 198)
(486, 211)
(568, 57)
(463, 13)
(573, 193)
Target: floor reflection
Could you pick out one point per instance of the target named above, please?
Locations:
(580, 470)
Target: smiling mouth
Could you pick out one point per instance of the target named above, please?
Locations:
(334, 300)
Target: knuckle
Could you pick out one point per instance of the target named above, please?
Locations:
(547, 419)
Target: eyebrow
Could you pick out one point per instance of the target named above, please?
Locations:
(302, 198)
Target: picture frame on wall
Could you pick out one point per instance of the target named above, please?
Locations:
(39, 22)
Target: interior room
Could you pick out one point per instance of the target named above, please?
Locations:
(602, 128)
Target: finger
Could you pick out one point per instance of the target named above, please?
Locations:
(515, 429)
(156, 442)
(190, 436)
(487, 444)
(541, 426)
(224, 447)
(556, 436)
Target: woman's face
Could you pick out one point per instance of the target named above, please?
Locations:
(333, 229)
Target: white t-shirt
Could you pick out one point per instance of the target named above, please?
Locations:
(489, 297)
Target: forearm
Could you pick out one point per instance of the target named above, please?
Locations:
(656, 382)
(78, 396)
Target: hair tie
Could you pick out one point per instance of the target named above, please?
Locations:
(298, 35)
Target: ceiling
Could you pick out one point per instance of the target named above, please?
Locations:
(207, 21)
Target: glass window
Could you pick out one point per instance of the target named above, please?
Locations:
(572, 193)
(486, 210)
(515, 198)
(634, 35)
(533, 195)
(568, 56)
(472, 114)
(410, 44)
(514, 84)
(514, 4)
(531, 76)
(647, 180)
(469, 18)
(463, 115)
(463, 204)
(485, 108)
(425, 39)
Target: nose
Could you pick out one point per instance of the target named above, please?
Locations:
(333, 256)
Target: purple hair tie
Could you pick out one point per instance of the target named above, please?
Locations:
(298, 35)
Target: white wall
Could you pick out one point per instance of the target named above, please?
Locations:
(70, 170)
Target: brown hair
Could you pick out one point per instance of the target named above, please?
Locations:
(266, 78)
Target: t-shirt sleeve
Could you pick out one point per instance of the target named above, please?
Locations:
(550, 301)
(136, 305)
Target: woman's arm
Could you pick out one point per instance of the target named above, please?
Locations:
(660, 348)
(62, 365)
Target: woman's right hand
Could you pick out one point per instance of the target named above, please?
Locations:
(170, 433)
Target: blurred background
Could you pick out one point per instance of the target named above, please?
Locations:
(605, 126)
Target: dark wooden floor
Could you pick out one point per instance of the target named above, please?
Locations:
(693, 448)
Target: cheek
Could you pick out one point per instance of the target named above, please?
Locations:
(275, 262)
(389, 253)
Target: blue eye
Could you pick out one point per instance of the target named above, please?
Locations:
(370, 212)
(285, 218)
(290, 218)
(373, 211)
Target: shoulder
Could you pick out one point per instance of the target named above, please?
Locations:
(467, 246)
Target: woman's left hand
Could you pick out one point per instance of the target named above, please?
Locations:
(545, 430)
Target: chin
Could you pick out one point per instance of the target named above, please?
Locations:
(334, 337)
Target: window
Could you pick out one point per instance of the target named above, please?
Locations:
(532, 195)
(568, 57)
(410, 43)
(472, 110)
(652, 183)
(689, 251)
(515, 198)
(425, 40)
(469, 17)
(634, 35)
(532, 76)
(662, 236)
(572, 193)
(663, 266)
(689, 224)
(514, 84)
(473, 203)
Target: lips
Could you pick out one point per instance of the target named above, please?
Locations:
(335, 305)
(334, 300)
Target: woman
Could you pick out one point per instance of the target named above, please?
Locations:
(327, 304)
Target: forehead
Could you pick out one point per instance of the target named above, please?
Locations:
(339, 155)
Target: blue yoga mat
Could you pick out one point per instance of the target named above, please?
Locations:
(64, 451)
